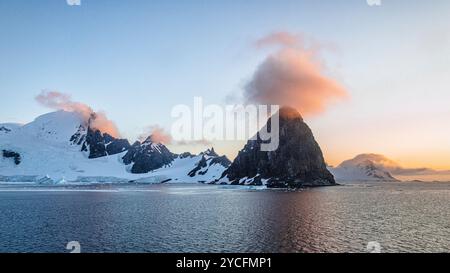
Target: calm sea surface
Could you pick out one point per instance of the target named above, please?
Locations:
(401, 217)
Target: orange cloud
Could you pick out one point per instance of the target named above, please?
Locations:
(279, 38)
(157, 134)
(61, 101)
(100, 122)
(293, 76)
(395, 168)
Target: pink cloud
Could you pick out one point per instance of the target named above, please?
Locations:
(293, 76)
(61, 101)
(157, 134)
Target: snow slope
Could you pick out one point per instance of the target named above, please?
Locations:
(178, 171)
(6, 128)
(364, 167)
(48, 156)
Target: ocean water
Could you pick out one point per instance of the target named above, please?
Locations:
(399, 217)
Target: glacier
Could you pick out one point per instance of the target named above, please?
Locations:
(49, 155)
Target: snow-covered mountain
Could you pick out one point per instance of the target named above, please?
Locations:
(203, 168)
(63, 146)
(364, 167)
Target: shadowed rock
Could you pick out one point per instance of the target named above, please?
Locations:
(298, 161)
(147, 156)
(15, 156)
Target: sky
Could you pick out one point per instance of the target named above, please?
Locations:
(136, 60)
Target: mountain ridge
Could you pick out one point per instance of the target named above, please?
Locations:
(62, 146)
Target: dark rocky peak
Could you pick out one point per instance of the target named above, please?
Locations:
(222, 160)
(297, 162)
(186, 155)
(148, 140)
(203, 163)
(208, 159)
(136, 144)
(148, 156)
(210, 152)
(117, 146)
(108, 138)
(153, 147)
(288, 113)
(98, 144)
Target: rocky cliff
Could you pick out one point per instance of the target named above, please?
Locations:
(298, 161)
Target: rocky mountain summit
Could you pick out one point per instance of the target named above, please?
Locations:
(97, 144)
(147, 156)
(209, 158)
(298, 161)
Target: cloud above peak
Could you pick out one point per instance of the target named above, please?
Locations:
(157, 134)
(294, 75)
(279, 38)
(392, 166)
(61, 101)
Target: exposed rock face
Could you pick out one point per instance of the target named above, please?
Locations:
(4, 129)
(214, 158)
(222, 160)
(49, 150)
(372, 170)
(210, 153)
(186, 155)
(95, 144)
(15, 156)
(200, 165)
(298, 161)
(117, 146)
(147, 156)
(208, 160)
(98, 144)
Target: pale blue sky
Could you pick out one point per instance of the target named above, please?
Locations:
(136, 59)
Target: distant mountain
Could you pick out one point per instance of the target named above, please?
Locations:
(148, 156)
(297, 162)
(209, 159)
(365, 167)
